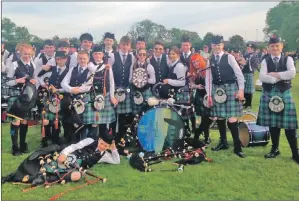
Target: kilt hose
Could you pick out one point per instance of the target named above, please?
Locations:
(249, 83)
(104, 116)
(286, 119)
(147, 93)
(231, 107)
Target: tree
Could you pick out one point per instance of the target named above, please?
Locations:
(55, 39)
(236, 41)
(8, 29)
(22, 34)
(207, 39)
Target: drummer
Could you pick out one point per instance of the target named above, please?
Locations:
(56, 75)
(146, 90)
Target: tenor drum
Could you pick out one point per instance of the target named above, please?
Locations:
(253, 135)
(160, 128)
(248, 116)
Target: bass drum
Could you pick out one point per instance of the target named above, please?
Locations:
(253, 135)
(248, 116)
(160, 128)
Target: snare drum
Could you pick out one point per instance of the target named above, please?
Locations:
(253, 135)
(160, 128)
(248, 116)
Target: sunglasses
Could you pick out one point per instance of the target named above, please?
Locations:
(142, 54)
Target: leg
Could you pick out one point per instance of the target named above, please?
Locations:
(246, 100)
(47, 126)
(206, 129)
(223, 140)
(93, 133)
(275, 134)
(23, 134)
(249, 100)
(193, 122)
(14, 132)
(291, 136)
(55, 133)
(233, 125)
(112, 126)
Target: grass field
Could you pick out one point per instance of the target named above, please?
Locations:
(229, 177)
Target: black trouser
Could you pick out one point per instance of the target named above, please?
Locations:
(123, 121)
(248, 100)
(204, 127)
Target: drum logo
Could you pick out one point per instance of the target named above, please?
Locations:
(181, 133)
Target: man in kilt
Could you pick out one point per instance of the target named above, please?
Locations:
(122, 68)
(276, 74)
(20, 71)
(197, 82)
(252, 63)
(225, 89)
(103, 114)
(78, 83)
(55, 76)
(145, 90)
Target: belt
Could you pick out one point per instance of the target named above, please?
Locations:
(224, 82)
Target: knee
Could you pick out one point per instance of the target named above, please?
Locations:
(232, 119)
(24, 122)
(94, 125)
(45, 122)
(75, 176)
(16, 122)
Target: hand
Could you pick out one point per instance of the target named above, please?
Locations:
(54, 90)
(46, 67)
(274, 74)
(114, 101)
(107, 66)
(188, 74)
(61, 158)
(112, 146)
(240, 95)
(165, 81)
(33, 81)
(200, 86)
(242, 62)
(210, 102)
(75, 90)
(21, 80)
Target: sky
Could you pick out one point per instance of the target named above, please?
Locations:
(70, 19)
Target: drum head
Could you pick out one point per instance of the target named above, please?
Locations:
(248, 116)
(161, 128)
(244, 134)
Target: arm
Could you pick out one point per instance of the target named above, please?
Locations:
(291, 72)
(208, 80)
(65, 82)
(111, 59)
(240, 78)
(3, 67)
(111, 79)
(151, 73)
(264, 77)
(42, 78)
(86, 86)
(180, 72)
(73, 147)
(111, 158)
(11, 74)
(131, 68)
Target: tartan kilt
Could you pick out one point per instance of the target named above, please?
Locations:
(51, 116)
(88, 115)
(107, 115)
(231, 107)
(286, 119)
(185, 96)
(200, 109)
(136, 109)
(126, 106)
(31, 115)
(249, 83)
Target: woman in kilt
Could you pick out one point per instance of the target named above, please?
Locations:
(225, 77)
(19, 71)
(197, 82)
(55, 75)
(78, 83)
(146, 90)
(276, 74)
(105, 114)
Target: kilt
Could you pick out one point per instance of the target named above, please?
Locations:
(126, 106)
(30, 115)
(185, 97)
(286, 119)
(231, 107)
(107, 115)
(249, 83)
(200, 109)
(136, 109)
(88, 114)
(51, 116)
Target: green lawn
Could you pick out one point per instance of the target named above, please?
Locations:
(229, 177)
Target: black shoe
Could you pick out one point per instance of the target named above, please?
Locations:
(273, 153)
(296, 159)
(220, 146)
(207, 140)
(15, 151)
(240, 154)
(24, 149)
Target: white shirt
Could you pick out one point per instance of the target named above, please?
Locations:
(188, 54)
(48, 74)
(180, 71)
(85, 87)
(111, 158)
(39, 62)
(286, 75)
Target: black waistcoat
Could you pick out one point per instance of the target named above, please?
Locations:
(121, 71)
(56, 79)
(22, 71)
(222, 72)
(282, 85)
(76, 79)
(89, 155)
(186, 62)
(246, 68)
(200, 80)
(161, 72)
(98, 81)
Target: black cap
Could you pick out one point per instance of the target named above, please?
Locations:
(185, 38)
(141, 38)
(217, 39)
(109, 35)
(49, 42)
(274, 39)
(61, 54)
(236, 50)
(63, 44)
(98, 48)
(253, 46)
(86, 36)
(107, 137)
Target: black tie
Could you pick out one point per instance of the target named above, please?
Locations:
(124, 59)
(276, 59)
(27, 68)
(186, 55)
(58, 71)
(80, 71)
(217, 58)
(158, 61)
